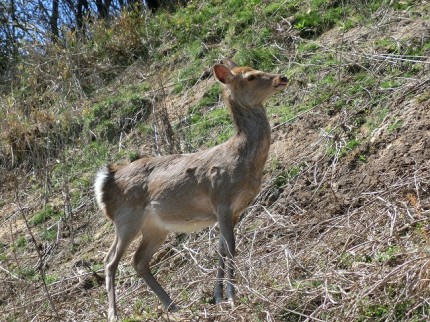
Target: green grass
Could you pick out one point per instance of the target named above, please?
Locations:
(51, 279)
(208, 129)
(29, 273)
(382, 312)
(261, 57)
(3, 253)
(188, 76)
(285, 176)
(44, 215)
(315, 22)
(49, 234)
(387, 254)
(397, 124)
(79, 166)
(21, 242)
(118, 113)
(209, 99)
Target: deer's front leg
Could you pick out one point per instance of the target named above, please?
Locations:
(218, 289)
(227, 252)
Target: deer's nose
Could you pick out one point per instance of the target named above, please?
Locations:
(284, 79)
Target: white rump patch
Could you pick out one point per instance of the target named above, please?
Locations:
(99, 184)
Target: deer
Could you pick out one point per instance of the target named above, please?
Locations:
(185, 193)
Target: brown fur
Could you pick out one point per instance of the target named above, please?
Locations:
(187, 192)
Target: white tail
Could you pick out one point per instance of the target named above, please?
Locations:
(187, 192)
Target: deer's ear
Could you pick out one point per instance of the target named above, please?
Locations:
(229, 63)
(223, 74)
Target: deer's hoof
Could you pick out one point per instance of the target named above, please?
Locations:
(172, 308)
(112, 315)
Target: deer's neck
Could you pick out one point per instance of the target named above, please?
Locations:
(252, 134)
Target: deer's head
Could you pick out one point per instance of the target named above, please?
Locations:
(247, 86)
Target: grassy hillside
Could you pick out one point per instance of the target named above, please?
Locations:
(340, 230)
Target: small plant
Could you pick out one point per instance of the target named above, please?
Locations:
(21, 242)
(133, 156)
(131, 319)
(389, 84)
(44, 215)
(376, 311)
(3, 255)
(51, 279)
(284, 177)
(49, 234)
(185, 295)
(387, 254)
(397, 124)
(29, 273)
(346, 260)
(139, 306)
(362, 158)
(352, 144)
(320, 17)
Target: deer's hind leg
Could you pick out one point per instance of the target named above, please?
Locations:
(125, 232)
(152, 238)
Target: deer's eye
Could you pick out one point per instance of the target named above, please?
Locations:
(251, 77)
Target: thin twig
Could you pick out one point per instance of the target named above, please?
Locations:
(41, 266)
